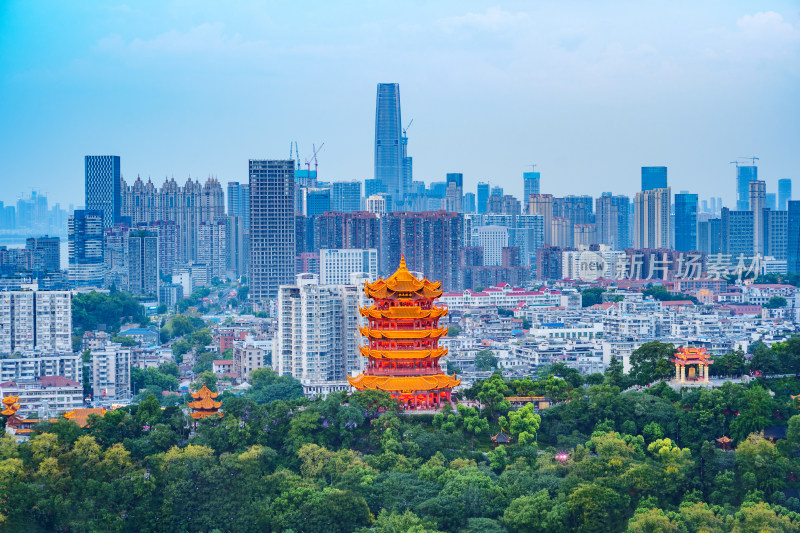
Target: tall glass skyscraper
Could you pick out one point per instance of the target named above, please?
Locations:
(744, 175)
(389, 144)
(793, 237)
(784, 193)
(103, 187)
(531, 183)
(239, 202)
(654, 178)
(483, 197)
(685, 222)
(346, 196)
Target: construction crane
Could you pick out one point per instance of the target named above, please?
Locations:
(752, 159)
(316, 151)
(296, 153)
(533, 167)
(406, 128)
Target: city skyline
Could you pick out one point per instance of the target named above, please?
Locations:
(598, 85)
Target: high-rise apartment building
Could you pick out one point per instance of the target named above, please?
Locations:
(793, 237)
(317, 339)
(492, 240)
(784, 193)
(38, 321)
(654, 178)
(776, 237)
(613, 221)
(496, 191)
(757, 190)
(531, 185)
(483, 198)
(685, 222)
(542, 204)
(334, 230)
(388, 142)
(111, 373)
(143, 263)
(214, 241)
(736, 230)
(272, 228)
(239, 202)
(744, 175)
(85, 234)
(709, 236)
(336, 267)
(454, 194)
(103, 187)
(346, 196)
(316, 201)
(46, 253)
(652, 226)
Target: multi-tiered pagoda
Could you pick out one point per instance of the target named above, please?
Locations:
(403, 341)
(204, 404)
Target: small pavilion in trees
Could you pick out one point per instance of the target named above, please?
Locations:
(403, 341)
(691, 357)
(10, 408)
(204, 404)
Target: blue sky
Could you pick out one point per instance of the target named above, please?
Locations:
(588, 91)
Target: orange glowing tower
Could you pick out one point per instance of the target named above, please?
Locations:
(403, 341)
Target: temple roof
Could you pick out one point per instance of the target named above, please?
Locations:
(203, 414)
(404, 384)
(402, 334)
(402, 284)
(691, 356)
(206, 404)
(204, 392)
(400, 312)
(81, 416)
(434, 353)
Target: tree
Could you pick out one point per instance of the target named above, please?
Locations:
(592, 296)
(472, 423)
(651, 362)
(650, 520)
(453, 331)
(210, 380)
(267, 386)
(125, 340)
(534, 514)
(485, 360)
(776, 302)
(492, 394)
(524, 423)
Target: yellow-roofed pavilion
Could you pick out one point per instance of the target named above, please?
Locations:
(403, 341)
(204, 404)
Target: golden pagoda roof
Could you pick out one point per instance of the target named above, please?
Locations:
(434, 353)
(403, 383)
(205, 404)
(81, 416)
(402, 284)
(10, 400)
(692, 356)
(204, 392)
(203, 414)
(401, 312)
(402, 334)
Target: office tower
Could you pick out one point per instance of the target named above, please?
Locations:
(103, 187)
(317, 337)
(784, 193)
(35, 321)
(272, 228)
(143, 263)
(430, 241)
(492, 239)
(46, 253)
(454, 192)
(346, 196)
(336, 267)
(652, 223)
(709, 236)
(438, 189)
(496, 191)
(793, 236)
(757, 200)
(388, 147)
(685, 222)
(776, 238)
(316, 201)
(744, 175)
(469, 202)
(736, 230)
(531, 185)
(613, 221)
(654, 178)
(376, 204)
(85, 234)
(483, 197)
(542, 204)
(372, 186)
(772, 201)
(213, 250)
(239, 202)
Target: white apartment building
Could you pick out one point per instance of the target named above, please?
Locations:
(248, 356)
(492, 239)
(35, 320)
(31, 365)
(44, 396)
(318, 339)
(503, 296)
(336, 267)
(111, 373)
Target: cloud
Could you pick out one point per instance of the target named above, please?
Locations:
(209, 38)
(768, 26)
(493, 20)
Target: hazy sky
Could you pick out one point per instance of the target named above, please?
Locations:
(588, 91)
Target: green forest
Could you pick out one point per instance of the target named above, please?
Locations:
(603, 459)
